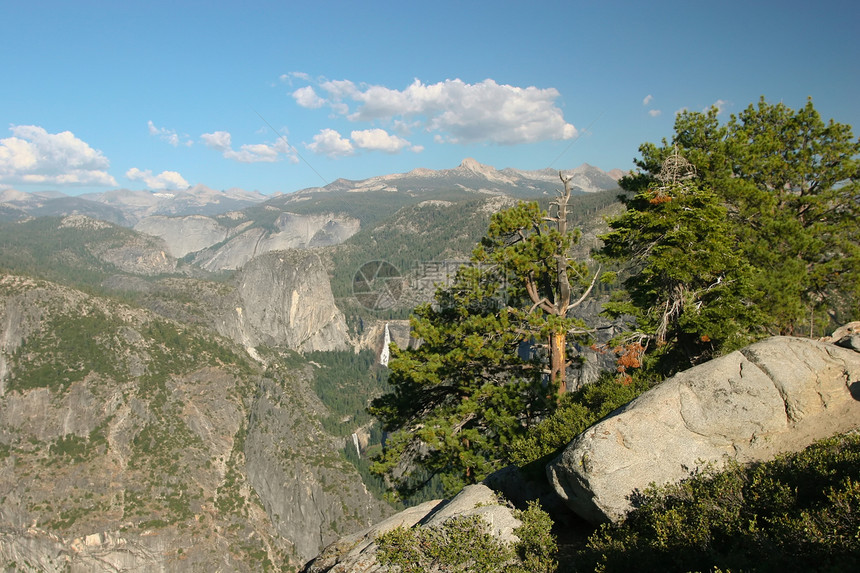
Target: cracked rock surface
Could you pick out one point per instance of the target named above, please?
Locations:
(775, 396)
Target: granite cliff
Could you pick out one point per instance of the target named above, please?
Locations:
(284, 299)
(230, 240)
(130, 441)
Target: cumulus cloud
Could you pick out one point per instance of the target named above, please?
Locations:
(340, 89)
(32, 155)
(307, 97)
(654, 112)
(169, 135)
(459, 112)
(248, 153)
(378, 140)
(331, 143)
(220, 140)
(648, 99)
(165, 180)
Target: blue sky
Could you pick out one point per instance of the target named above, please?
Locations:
(103, 95)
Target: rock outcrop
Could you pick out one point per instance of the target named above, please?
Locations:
(284, 299)
(128, 252)
(774, 396)
(357, 553)
(295, 469)
(184, 235)
(230, 241)
(129, 442)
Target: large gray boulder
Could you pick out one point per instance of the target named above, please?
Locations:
(357, 553)
(778, 395)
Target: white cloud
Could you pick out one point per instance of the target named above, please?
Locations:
(648, 99)
(340, 89)
(220, 140)
(165, 180)
(169, 135)
(33, 155)
(378, 140)
(720, 104)
(288, 78)
(330, 143)
(405, 127)
(459, 112)
(307, 97)
(654, 112)
(250, 152)
(258, 152)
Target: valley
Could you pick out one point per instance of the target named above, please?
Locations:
(181, 377)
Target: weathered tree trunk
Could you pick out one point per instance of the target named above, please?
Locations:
(558, 340)
(555, 300)
(558, 360)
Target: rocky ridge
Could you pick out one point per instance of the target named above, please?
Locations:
(157, 446)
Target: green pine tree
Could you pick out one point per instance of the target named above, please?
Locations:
(476, 383)
(788, 182)
(687, 283)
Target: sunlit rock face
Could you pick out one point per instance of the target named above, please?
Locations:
(775, 396)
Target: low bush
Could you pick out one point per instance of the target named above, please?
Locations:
(466, 544)
(799, 512)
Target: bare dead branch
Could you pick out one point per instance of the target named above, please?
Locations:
(587, 291)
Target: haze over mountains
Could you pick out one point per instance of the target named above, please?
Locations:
(226, 229)
(127, 207)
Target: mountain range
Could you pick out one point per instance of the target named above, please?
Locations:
(184, 375)
(127, 207)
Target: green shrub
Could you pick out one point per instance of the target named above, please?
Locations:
(537, 546)
(466, 544)
(799, 512)
(577, 411)
(459, 544)
(73, 447)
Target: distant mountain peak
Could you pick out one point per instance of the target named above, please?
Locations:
(471, 164)
(471, 167)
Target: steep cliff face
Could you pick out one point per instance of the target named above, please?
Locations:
(290, 231)
(296, 470)
(131, 442)
(284, 298)
(399, 332)
(184, 235)
(231, 240)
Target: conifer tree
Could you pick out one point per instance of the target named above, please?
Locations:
(758, 235)
(789, 184)
(492, 353)
(687, 285)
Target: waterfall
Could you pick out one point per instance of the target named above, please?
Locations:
(384, 355)
(355, 441)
